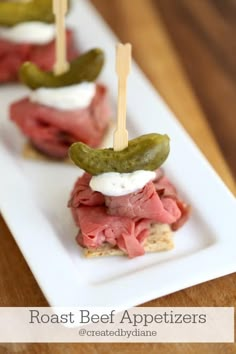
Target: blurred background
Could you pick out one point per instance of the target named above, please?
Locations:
(187, 48)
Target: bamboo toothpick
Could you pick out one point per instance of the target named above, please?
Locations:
(60, 8)
(123, 63)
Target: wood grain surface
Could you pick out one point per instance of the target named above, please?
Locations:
(141, 23)
(203, 33)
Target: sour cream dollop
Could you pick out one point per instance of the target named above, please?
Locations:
(65, 98)
(116, 184)
(33, 32)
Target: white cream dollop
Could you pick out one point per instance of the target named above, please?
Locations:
(34, 32)
(65, 98)
(117, 184)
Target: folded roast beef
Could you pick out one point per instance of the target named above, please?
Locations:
(12, 55)
(98, 227)
(125, 221)
(52, 131)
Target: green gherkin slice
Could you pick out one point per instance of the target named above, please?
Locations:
(147, 152)
(13, 13)
(86, 67)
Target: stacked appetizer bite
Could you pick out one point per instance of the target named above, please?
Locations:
(124, 203)
(62, 109)
(27, 33)
(64, 105)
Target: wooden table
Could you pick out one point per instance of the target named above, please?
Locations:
(140, 22)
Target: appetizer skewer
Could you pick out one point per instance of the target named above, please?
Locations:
(123, 62)
(27, 33)
(60, 9)
(63, 106)
(124, 204)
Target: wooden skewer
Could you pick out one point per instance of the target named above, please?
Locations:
(60, 8)
(123, 64)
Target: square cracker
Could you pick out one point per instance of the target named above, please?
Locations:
(160, 239)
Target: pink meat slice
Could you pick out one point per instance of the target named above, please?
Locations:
(52, 131)
(12, 55)
(167, 192)
(164, 187)
(82, 194)
(185, 212)
(11, 58)
(144, 203)
(98, 227)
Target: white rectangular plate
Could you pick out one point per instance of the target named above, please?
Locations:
(34, 195)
